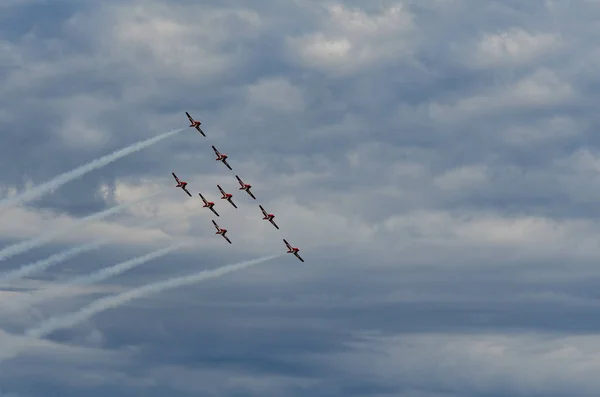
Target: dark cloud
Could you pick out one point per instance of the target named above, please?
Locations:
(435, 161)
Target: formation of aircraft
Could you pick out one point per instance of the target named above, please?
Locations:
(228, 196)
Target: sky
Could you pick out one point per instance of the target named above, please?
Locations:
(436, 162)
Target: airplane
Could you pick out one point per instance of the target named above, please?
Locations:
(221, 157)
(195, 124)
(245, 186)
(292, 250)
(226, 196)
(181, 184)
(268, 217)
(222, 232)
(208, 204)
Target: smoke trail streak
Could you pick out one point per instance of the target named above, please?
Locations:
(100, 275)
(100, 305)
(25, 246)
(55, 259)
(52, 260)
(61, 179)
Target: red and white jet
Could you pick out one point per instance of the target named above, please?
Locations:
(221, 157)
(222, 232)
(226, 196)
(181, 184)
(268, 217)
(293, 250)
(195, 124)
(245, 186)
(208, 204)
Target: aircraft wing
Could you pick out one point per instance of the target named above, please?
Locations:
(189, 117)
(216, 151)
(216, 226)
(221, 190)
(185, 190)
(250, 193)
(240, 181)
(274, 224)
(286, 243)
(227, 164)
(298, 256)
(232, 203)
(263, 210)
(203, 199)
(175, 176)
(213, 210)
(200, 130)
(228, 240)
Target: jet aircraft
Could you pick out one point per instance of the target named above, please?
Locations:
(208, 204)
(221, 157)
(293, 250)
(222, 232)
(195, 124)
(245, 186)
(181, 184)
(268, 217)
(226, 196)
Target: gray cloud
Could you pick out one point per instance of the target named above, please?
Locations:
(435, 161)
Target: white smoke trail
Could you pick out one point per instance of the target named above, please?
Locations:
(25, 246)
(55, 259)
(100, 305)
(100, 275)
(61, 179)
(52, 260)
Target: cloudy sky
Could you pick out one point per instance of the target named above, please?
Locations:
(436, 161)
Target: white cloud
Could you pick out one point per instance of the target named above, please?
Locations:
(467, 177)
(549, 130)
(514, 47)
(13, 345)
(351, 39)
(378, 170)
(541, 89)
(469, 234)
(25, 223)
(276, 94)
(477, 363)
(186, 40)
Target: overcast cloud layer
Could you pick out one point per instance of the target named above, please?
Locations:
(437, 162)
